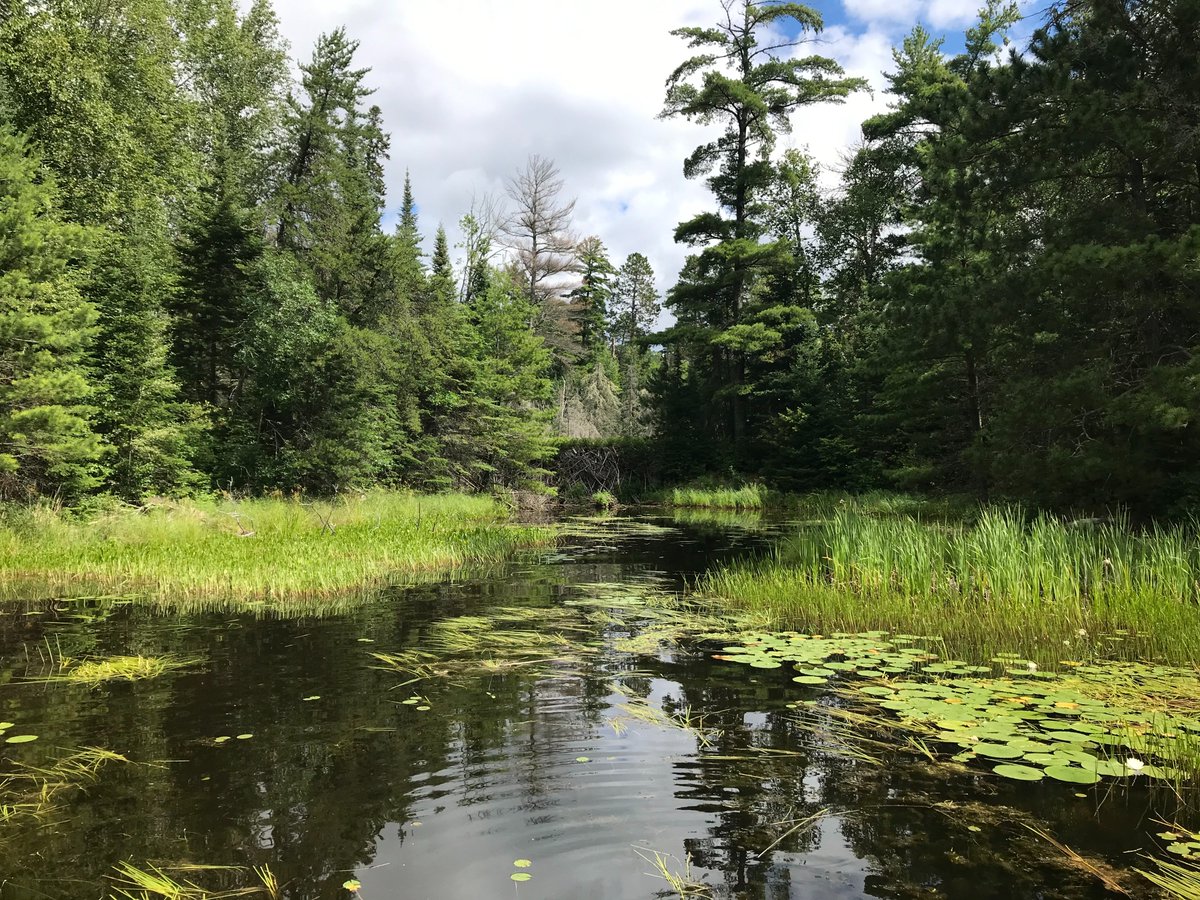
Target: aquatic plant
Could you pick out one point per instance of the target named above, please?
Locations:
(174, 882)
(684, 720)
(604, 500)
(1116, 720)
(271, 549)
(32, 792)
(121, 668)
(679, 877)
(747, 496)
(1043, 588)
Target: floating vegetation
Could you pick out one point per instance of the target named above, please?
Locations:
(121, 668)
(493, 644)
(1118, 720)
(521, 864)
(680, 720)
(175, 882)
(32, 793)
(271, 549)
(679, 877)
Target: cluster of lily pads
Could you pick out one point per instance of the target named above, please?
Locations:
(1116, 720)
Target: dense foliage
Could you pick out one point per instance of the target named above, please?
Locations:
(198, 291)
(1000, 297)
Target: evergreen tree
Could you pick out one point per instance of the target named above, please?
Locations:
(47, 444)
(748, 88)
(589, 302)
(406, 253)
(330, 200)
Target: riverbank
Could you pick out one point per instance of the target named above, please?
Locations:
(270, 548)
(1040, 587)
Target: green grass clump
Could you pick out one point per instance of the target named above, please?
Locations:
(748, 496)
(121, 668)
(266, 549)
(1043, 588)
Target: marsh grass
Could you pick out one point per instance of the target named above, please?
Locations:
(32, 793)
(1045, 589)
(94, 672)
(175, 882)
(747, 496)
(679, 877)
(269, 549)
(1179, 880)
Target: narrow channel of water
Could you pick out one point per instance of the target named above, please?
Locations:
(336, 777)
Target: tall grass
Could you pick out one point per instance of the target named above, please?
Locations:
(269, 548)
(748, 496)
(1042, 587)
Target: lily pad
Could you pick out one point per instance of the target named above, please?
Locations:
(21, 739)
(998, 751)
(1071, 774)
(1019, 772)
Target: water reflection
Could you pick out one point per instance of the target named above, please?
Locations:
(438, 802)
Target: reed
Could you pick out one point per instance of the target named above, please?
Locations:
(1045, 588)
(270, 549)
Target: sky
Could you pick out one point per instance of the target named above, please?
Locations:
(469, 90)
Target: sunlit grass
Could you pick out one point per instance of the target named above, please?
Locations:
(1046, 589)
(264, 549)
(175, 882)
(748, 496)
(679, 878)
(120, 668)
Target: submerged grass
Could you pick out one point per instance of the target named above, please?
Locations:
(266, 549)
(1044, 588)
(32, 793)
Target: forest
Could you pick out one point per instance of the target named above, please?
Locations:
(999, 298)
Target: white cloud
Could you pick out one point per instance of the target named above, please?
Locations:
(935, 13)
(469, 91)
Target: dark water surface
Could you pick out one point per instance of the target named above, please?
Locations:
(438, 803)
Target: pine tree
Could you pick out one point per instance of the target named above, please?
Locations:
(47, 444)
(751, 90)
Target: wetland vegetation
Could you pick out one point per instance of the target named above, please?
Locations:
(275, 549)
(270, 625)
(1003, 581)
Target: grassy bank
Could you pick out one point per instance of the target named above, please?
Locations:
(1046, 589)
(269, 548)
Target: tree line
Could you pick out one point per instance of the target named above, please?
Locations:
(197, 291)
(998, 295)
(1001, 296)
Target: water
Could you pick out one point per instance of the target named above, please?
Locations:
(523, 764)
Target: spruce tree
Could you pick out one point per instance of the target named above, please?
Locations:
(590, 301)
(47, 444)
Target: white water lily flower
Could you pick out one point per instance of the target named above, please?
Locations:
(1082, 632)
(1134, 764)
(1032, 667)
